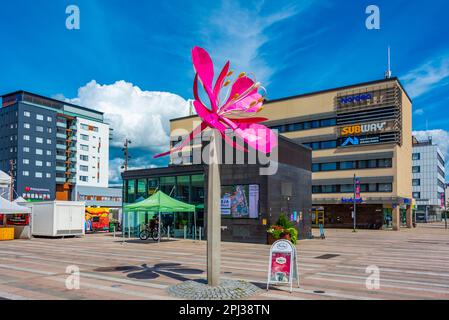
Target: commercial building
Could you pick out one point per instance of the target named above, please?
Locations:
(54, 145)
(250, 201)
(363, 129)
(428, 180)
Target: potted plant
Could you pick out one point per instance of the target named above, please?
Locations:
(283, 229)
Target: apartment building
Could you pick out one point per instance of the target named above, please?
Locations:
(428, 180)
(54, 145)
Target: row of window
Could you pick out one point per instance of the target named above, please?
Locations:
(38, 139)
(38, 128)
(38, 151)
(348, 165)
(89, 128)
(37, 174)
(38, 116)
(306, 125)
(417, 195)
(330, 144)
(99, 198)
(349, 188)
(38, 163)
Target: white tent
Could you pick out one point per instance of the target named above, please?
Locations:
(20, 201)
(5, 180)
(7, 207)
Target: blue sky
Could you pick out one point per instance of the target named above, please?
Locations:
(143, 48)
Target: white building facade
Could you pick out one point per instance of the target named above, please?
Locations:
(93, 153)
(428, 180)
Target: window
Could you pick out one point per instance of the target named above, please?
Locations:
(84, 126)
(48, 141)
(38, 163)
(385, 187)
(48, 164)
(315, 167)
(84, 178)
(328, 166)
(38, 174)
(39, 117)
(39, 140)
(346, 188)
(48, 152)
(26, 149)
(416, 195)
(39, 151)
(346, 165)
(26, 125)
(48, 175)
(49, 130)
(385, 163)
(39, 129)
(84, 137)
(84, 147)
(328, 144)
(25, 173)
(416, 156)
(416, 169)
(84, 157)
(416, 182)
(26, 161)
(26, 137)
(84, 168)
(49, 119)
(26, 114)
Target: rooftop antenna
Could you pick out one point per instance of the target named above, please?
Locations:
(388, 72)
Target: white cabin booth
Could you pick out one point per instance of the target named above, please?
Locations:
(58, 218)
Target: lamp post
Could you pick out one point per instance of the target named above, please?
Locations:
(356, 194)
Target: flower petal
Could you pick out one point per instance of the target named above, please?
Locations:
(257, 136)
(203, 66)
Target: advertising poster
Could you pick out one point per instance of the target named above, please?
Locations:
(280, 267)
(240, 201)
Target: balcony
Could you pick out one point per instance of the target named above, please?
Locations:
(61, 157)
(60, 180)
(61, 124)
(60, 169)
(61, 146)
(61, 135)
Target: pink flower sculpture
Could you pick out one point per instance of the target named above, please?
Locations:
(236, 113)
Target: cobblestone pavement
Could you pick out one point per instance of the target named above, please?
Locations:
(413, 264)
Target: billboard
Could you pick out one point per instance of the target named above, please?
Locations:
(240, 201)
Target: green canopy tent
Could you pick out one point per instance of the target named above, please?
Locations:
(161, 202)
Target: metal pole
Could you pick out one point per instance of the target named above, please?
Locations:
(445, 210)
(159, 228)
(355, 204)
(213, 213)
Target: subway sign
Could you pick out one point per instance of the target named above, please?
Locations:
(356, 98)
(366, 128)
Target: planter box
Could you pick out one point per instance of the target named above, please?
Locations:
(272, 240)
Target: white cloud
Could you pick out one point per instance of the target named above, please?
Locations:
(237, 34)
(141, 116)
(439, 137)
(134, 164)
(419, 112)
(428, 76)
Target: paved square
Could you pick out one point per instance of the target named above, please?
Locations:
(414, 264)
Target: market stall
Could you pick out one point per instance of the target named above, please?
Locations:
(14, 221)
(97, 219)
(160, 203)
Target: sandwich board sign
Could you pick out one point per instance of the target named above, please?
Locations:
(283, 264)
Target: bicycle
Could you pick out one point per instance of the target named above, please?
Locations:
(147, 233)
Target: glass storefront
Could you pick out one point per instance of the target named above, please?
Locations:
(186, 188)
